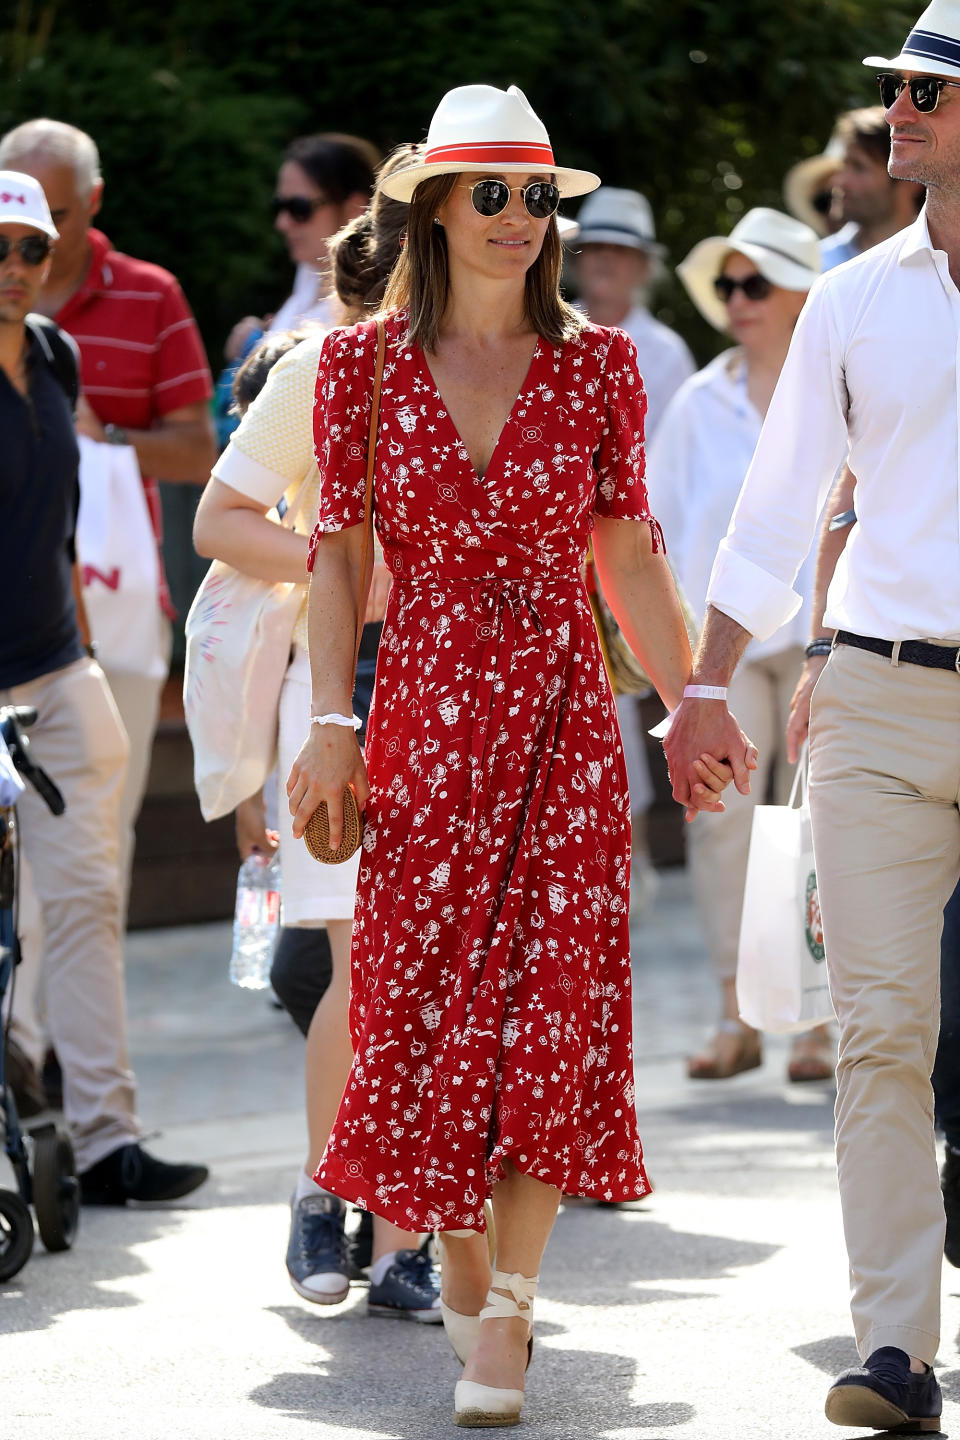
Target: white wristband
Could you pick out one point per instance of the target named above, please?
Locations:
(705, 692)
(349, 722)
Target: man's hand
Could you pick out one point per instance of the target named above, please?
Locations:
(798, 725)
(706, 728)
(329, 760)
(87, 422)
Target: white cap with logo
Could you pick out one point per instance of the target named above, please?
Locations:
(22, 202)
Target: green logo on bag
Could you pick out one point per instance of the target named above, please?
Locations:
(814, 927)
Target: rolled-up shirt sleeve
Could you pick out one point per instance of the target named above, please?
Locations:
(801, 447)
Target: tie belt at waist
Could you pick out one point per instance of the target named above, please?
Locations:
(905, 652)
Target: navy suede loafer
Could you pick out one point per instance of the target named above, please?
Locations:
(883, 1394)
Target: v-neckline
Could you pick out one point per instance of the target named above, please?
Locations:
(481, 479)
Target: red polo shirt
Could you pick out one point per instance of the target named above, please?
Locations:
(141, 355)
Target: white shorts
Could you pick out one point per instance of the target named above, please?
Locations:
(312, 893)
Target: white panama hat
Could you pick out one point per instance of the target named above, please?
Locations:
(22, 202)
(618, 217)
(477, 127)
(933, 45)
(785, 251)
(806, 179)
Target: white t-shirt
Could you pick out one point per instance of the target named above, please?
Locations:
(695, 469)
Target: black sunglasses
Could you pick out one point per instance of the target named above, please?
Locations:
(924, 91)
(299, 207)
(32, 249)
(491, 197)
(755, 287)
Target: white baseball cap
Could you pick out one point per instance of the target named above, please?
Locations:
(785, 251)
(478, 127)
(22, 202)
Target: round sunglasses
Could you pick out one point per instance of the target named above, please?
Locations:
(299, 207)
(924, 91)
(755, 287)
(491, 197)
(32, 249)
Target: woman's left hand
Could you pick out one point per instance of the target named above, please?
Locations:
(250, 820)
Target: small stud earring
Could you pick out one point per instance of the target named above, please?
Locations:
(436, 219)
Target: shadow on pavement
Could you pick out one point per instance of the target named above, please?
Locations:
(50, 1286)
(358, 1379)
(571, 1391)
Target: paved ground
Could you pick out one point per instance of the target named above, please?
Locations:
(717, 1309)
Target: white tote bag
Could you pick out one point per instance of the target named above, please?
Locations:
(118, 561)
(781, 974)
(239, 632)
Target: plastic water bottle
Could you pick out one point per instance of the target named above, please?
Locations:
(256, 921)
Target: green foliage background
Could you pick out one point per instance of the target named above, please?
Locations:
(702, 104)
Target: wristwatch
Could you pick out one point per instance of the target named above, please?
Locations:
(116, 435)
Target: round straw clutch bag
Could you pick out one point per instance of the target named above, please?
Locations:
(317, 833)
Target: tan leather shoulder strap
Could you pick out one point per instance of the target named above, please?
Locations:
(366, 554)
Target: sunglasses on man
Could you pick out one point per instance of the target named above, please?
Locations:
(300, 208)
(32, 249)
(491, 197)
(924, 91)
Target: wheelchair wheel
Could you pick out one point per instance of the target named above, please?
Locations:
(16, 1234)
(56, 1189)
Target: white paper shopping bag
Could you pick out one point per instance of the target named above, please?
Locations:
(781, 972)
(118, 561)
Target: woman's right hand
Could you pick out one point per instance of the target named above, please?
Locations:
(329, 760)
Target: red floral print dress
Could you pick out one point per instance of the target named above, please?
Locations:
(490, 988)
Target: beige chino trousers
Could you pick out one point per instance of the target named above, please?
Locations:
(884, 792)
(759, 695)
(74, 860)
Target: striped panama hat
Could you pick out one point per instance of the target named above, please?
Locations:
(933, 45)
(477, 127)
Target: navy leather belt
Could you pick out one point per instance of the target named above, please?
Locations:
(912, 652)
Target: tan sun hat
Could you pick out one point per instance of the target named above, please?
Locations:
(808, 178)
(785, 251)
(477, 127)
(933, 45)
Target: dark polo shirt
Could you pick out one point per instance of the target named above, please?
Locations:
(39, 499)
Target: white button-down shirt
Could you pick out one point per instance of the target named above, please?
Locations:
(874, 366)
(663, 360)
(696, 464)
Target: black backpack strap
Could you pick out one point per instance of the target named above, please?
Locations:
(60, 353)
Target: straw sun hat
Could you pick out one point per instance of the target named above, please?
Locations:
(785, 251)
(477, 127)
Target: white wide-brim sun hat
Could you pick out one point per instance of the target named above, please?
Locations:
(785, 251)
(477, 127)
(933, 45)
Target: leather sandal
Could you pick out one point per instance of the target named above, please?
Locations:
(479, 1407)
(733, 1049)
(813, 1056)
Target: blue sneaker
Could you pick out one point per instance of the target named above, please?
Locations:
(884, 1394)
(410, 1290)
(317, 1260)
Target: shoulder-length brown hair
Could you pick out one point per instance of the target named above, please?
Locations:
(420, 280)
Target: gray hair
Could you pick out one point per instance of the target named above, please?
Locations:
(57, 143)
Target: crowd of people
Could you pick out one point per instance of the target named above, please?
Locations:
(463, 981)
